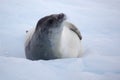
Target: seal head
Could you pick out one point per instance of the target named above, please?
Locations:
(48, 22)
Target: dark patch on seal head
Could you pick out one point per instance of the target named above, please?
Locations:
(40, 47)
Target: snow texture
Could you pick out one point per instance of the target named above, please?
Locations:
(98, 21)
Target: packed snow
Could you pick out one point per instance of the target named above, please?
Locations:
(98, 21)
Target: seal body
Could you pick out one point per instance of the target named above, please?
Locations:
(53, 38)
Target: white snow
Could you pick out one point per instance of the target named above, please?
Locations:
(98, 21)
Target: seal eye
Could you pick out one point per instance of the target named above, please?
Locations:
(50, 21)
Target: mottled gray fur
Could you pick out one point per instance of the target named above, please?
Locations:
(40, 47)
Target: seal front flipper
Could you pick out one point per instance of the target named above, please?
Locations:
(74, 29)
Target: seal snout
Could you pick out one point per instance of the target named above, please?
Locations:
(61, 16)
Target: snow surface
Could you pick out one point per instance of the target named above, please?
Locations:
(98, 21)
